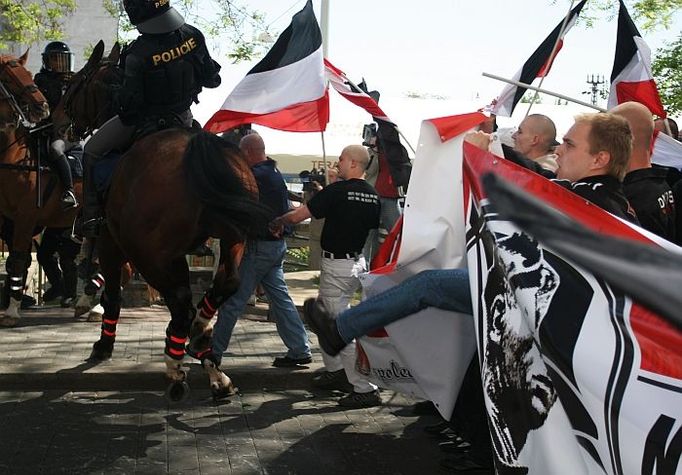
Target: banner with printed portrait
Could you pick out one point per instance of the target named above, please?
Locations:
(578, 377)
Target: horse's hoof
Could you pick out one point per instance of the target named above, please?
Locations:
(177, 391)
(101, 351)
(223, 392)
(94, 317)
(78, 311)
(96, 313)
(8, 321)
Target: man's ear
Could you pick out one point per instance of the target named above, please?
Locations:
(601, 160)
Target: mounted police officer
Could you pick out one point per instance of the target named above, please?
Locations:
(52, 81)
(165, 68)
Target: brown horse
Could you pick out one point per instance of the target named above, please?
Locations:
(171, 191)
(21, 105)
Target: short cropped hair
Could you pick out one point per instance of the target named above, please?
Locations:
(610, 133)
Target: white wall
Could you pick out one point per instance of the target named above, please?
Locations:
(82, 30)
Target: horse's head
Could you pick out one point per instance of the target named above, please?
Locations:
(20, 98)
(89, 100)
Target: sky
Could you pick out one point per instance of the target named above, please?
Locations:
(436, 48)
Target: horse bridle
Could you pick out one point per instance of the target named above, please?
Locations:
(84, 81)
(29, 88)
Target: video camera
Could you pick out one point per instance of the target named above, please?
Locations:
(308, 177)
(369, 134)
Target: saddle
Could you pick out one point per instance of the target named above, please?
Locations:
(104, 168)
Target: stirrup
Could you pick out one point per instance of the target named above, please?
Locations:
(68, 200)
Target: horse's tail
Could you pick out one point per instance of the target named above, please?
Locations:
(219, 185)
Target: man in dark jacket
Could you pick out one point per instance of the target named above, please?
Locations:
(165, 69)
(645, 186)
(52, 81)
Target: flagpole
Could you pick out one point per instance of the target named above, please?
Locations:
(551, 56)
(324, 160)
(544, 91)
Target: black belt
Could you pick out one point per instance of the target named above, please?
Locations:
(347, 255)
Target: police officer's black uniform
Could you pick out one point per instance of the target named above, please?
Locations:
(52, 81)
(165, 68)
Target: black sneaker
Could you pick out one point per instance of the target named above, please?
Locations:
(357, 400)
(332, 380)
(27, 302)
(465, 463)
(286, 362)
(67, 302)
(425, 408)
(324, 326)
(53, 293)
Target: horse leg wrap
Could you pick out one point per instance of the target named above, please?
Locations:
(175, 345)
(94, 284)
(16, 265)
(208, 306)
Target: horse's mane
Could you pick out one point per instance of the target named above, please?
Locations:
(216, 178)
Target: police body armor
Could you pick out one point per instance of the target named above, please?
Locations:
(164, 74)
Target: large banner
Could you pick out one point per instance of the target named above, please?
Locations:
(427, 354)
(578, 377)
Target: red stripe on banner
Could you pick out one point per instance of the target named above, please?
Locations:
(544, 70)
(109, 322)
(173, 351)
(388, 252)
(452, 126)
(108, 333)
(478, 162)
(380, 333)
(644, 92)
(180, 341)
(311, 116)
(660, 343)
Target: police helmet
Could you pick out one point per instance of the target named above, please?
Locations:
(153, 16)
(57, 57)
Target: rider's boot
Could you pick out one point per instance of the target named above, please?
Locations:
(91, 213)
(68, 198)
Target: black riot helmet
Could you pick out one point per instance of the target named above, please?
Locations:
(57, 57)
(153, 16)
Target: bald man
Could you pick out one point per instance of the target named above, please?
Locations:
(536, 138)
(646, 187)
(351, 209)
(262, 263)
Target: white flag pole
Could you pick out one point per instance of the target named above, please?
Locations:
(544, 91)
(554, 52)
(324, 28)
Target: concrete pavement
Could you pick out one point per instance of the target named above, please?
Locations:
(61, 414)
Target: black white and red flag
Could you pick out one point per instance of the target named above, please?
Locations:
(631, 78)
(357, 96)
(286, 90)
(537, 66)
(577, 325)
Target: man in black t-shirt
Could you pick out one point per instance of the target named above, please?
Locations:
(351, 209)
(646, 187)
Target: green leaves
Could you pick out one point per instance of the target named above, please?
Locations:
(231, 29)
(28, 21)
(667, 69)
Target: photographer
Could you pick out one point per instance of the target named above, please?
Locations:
(379, 176)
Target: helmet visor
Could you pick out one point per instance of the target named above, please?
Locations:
(59, 62)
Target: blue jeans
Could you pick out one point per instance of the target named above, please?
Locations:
(446, 289)
(262, 262)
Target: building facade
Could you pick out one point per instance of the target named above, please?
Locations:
(89, 23)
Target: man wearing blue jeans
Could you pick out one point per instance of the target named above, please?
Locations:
(262, 262)
(446, 289)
